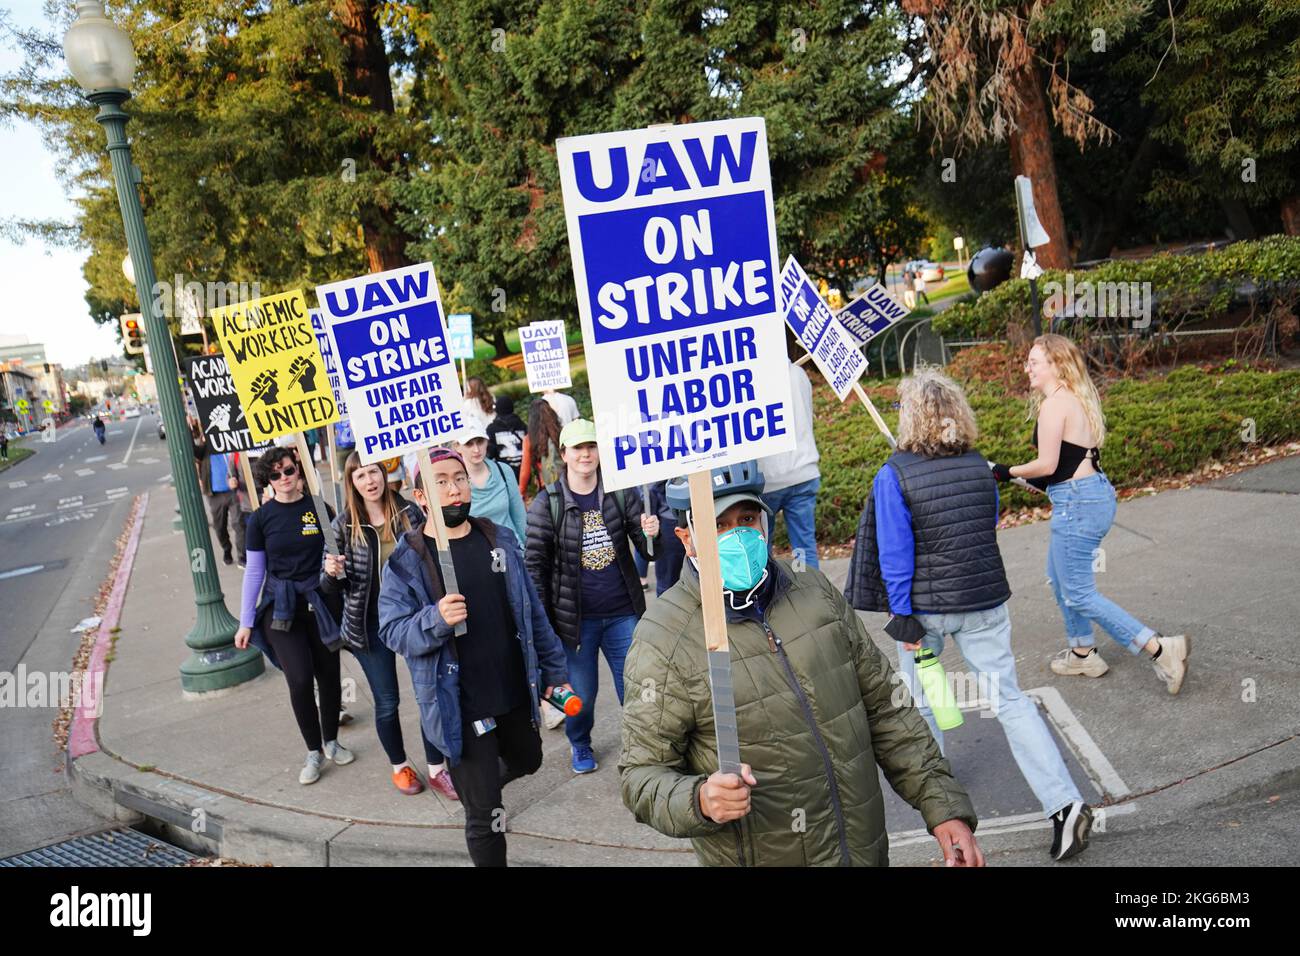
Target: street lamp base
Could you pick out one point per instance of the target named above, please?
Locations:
(220, 668)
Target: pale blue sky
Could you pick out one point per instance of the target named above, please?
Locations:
(44, 292)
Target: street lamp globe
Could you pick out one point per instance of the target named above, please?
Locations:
(98, 51)
(128, 269)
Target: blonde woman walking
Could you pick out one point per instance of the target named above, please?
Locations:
(1068, 433)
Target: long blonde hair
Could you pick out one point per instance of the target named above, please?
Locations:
(934, 418)
(1071, 369)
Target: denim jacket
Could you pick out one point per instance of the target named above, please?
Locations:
(410, 625)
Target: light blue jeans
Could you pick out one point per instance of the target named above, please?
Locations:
(799, 502)
(1082, 512)
(984, 639)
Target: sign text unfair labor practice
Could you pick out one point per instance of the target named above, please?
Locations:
(277, 368)
(833, 349)
(674, 259)
(390, 342)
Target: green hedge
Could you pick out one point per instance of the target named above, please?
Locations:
(1157, 427)
(1184, 286)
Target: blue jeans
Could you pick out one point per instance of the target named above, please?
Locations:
(984, 639)
(380, 667)
(613, 637)
(799, 503)
(1082, 512)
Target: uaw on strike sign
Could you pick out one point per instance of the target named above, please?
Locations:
(674, 258)
(390, 343)
(278, 370)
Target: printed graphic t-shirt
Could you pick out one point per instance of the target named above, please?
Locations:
(604, 592)
(291, 537)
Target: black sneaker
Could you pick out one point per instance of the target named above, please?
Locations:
(227, 557)
(1072, 825)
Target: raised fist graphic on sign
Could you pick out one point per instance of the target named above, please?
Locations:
(220, 417)
(266, 388)
(302, 372)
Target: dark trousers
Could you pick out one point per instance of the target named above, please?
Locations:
(224, 509)
(380, 667)
(479, 778)
(306, 662)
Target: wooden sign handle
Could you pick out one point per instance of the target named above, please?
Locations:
(249, 484)
(704, 533)
(313, 487)
(435, 524)
(875, 415)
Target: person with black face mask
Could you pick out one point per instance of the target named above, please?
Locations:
(479, 692)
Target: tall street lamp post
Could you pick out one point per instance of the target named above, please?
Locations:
(101, 59)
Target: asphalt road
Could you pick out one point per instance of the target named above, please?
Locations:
(61, 512)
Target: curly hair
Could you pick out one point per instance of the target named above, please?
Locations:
(269, 460)
(934, 418)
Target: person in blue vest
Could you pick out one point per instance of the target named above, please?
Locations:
(927, 553)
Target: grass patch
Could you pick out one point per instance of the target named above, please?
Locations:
(16, 454)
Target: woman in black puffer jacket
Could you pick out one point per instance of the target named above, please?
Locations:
(368, 529)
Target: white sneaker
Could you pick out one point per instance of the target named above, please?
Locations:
(1069, 664)
(311, 769)
(1171, 665)
(552, 716)
(338, 753)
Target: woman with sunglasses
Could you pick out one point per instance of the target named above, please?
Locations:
(375, 517)
(284, 613)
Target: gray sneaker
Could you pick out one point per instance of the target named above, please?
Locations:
(338, 753)
(1171, 665)
(311, 769)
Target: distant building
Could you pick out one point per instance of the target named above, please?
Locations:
(18, 386)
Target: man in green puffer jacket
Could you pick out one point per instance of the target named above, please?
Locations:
(817, 708)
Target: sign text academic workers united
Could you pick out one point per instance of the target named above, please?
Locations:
(390, 341)
(833, 349)
(674, 259)
(277, 368)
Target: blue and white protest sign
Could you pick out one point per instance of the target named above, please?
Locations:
(327, 353)
(398, 378)
(460, 333)
(673, 240)
(871, 313)
(832, 347)
(546, 356)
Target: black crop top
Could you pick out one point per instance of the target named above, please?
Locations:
(1067, 464)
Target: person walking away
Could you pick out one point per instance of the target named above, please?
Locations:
(98, 426)
(579, 555)
(220, 484)
(506, 435)
(284, 613)
(793, 478)
(918, 278)
(478, 693)
(1069, 431)
(4, 442)
(373, 520)
(565, 408)
(496, 494)
(478, 405)
(542, 463)
(817, 715)
(927, 553)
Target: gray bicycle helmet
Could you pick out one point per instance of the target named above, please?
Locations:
(731, 485)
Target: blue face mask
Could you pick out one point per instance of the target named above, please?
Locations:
(743, 555)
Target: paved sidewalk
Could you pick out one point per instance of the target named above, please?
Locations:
(1216, 562)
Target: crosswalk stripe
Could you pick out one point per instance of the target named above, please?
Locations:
(17, 484)
(52, 478)
(83, 472)
(113, 493)
(147, 461)
(116, 466)
(73, 502)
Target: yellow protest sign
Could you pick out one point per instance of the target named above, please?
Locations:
(277, 367)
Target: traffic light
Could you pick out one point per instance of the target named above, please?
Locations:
(103, 365)
(132, 333)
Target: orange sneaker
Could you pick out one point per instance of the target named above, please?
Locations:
(407, 781)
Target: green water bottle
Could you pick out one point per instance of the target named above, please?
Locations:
(934, 684)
